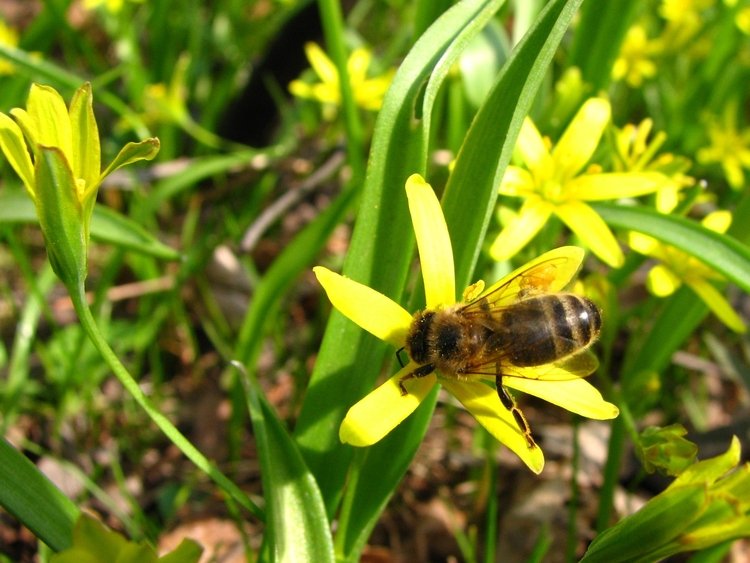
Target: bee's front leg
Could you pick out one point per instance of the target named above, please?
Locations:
(421, 371)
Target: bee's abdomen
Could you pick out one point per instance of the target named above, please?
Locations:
(549, 327)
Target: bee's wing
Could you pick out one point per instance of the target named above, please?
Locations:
(549, 273)
(580, 364)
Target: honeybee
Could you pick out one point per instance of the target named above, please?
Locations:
(524, 321)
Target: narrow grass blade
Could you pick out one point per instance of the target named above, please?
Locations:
(721, 252)
(382, 244)
(297, 527)
(107, 225)
(468, 204)
(29, 496)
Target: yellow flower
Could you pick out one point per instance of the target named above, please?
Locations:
(55, 151)
(384, 408)
(111, 6)
(742, 20)
(368, 92)
(677, 267)
(634, 153)
(9, 37)
(729, 147)
(634, 64)
(553, 182)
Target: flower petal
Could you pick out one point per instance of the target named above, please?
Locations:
(370, 309)
(383, 409)
(578, 143)
(716, 302)
(86, 156)
(433, 242)
(517, 182)
(14, 147)
(50, 119)
(517, 234)
(322, 65)
(532, 148)
(133, 152)
(614, 185)
(357, 65)
(661, 281)
(483, 403)
(575, 395)
(592, 230)
(643, 244)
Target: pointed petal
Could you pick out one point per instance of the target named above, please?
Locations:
(433, 242)
(371, 310)
(716, 302)
(14, 148)
(578, 143)
(661, 281)
(322, 65)
(531, 147)
(615, 185)
(575, 395)
(483, 403)
(383, 409)
(592, 230)
(643, 244)
(86, 155)
(50, 119)
(517, 182)
(357, 65)
(133, 152)
(517, 234)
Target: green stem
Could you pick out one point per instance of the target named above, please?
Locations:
(78, 297)
(333, 30)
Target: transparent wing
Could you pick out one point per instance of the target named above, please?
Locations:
(549, 273)
(580, 364)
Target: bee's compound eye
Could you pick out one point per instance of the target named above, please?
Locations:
(417, 344)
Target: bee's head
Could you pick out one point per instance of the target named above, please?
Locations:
(417, 338)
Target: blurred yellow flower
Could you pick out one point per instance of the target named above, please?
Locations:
(368, 92)
(635, 153)
(729, 146)
(111, 6)
(634, 64)
(676, 267)
(553, 182)
(8, 37)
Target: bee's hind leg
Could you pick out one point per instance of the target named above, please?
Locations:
(509, 403)
(421, 371)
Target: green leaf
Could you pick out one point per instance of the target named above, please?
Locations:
(721, 252)
(598, 39)
(107, 225)
(31, 498)
(470, 194)
(297, 527)
(382, 245)
(133, 152)
(94, 542)
(60, 217)
(663, 518)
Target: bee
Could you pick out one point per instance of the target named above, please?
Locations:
(524, 321)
